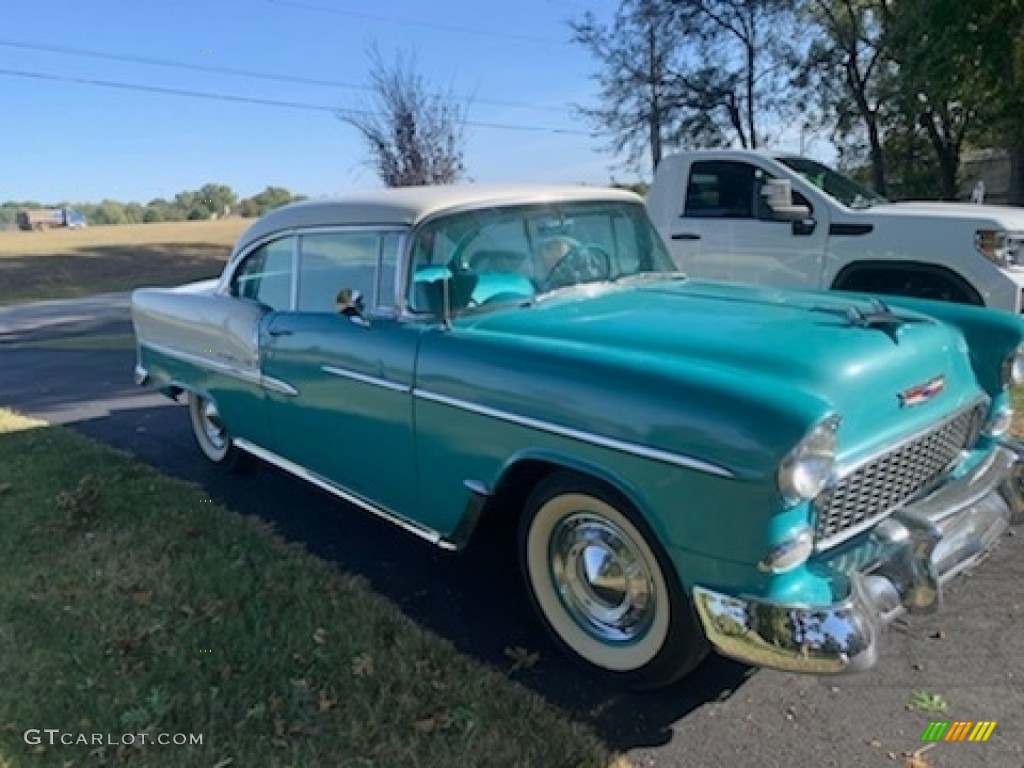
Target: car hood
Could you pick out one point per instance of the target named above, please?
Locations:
(782, 344)
(1011, 218)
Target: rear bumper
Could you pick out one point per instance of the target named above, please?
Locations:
(919, 548)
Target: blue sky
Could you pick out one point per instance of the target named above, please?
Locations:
(82, 142)
(85, 142)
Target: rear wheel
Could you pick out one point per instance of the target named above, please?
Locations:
(604, 587)
(210, 433)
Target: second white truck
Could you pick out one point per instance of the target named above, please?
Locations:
(775, 219)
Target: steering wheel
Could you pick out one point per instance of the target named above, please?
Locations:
(582, 263)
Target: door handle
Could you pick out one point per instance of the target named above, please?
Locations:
(279, 332)
(804, 227)
(685, 236)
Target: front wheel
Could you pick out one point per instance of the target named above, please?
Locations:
(603, 586)
(210, 433)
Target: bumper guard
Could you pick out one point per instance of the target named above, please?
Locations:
(920, 546)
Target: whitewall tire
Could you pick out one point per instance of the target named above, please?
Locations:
(209, 431)
(603, 586)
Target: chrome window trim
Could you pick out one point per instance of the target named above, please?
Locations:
(235, 263)
(431, 535)
(642, 451)
(363, 378)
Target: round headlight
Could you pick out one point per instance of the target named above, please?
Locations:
(806, 469)
(1013, 368)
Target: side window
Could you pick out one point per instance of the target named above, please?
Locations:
(266, 275)
(720, 189)
(332, 262)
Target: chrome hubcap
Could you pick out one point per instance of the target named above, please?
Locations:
(213, 428)
(602, 578)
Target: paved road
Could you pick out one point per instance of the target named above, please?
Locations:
(972, 653)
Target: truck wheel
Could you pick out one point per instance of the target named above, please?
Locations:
(603, 586)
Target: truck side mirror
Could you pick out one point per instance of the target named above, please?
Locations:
(777, 202)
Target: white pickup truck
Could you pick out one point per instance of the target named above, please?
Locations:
(775, 219)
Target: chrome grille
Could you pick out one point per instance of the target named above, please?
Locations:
(874, 489)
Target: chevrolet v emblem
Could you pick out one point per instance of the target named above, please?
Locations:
(922, 393)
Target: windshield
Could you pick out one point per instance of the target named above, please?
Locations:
(842, 188)
(516, 253)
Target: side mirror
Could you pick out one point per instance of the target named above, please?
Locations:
(777, 202)
(349, 303)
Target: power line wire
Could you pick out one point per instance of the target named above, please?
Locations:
(413, 22)
(227, 97)
(253, 74)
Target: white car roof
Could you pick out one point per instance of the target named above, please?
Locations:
(410, 205)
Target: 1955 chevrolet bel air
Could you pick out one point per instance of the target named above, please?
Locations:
(768, 473)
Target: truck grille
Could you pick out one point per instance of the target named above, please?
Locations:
(872, 490)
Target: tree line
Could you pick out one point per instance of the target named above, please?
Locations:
(900, 87)
(208, 202)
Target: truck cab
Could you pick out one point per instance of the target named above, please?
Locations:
(775, 219)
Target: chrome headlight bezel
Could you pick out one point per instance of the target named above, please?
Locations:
(808, 467)
(1013, 368)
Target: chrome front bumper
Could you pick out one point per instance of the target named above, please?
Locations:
(918, 548)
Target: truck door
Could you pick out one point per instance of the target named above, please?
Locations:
(723, 232)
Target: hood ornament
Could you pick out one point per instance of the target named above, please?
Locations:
(880, 317)
(922, 393)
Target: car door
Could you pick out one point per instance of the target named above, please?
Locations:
(723, 232)
(350, 361)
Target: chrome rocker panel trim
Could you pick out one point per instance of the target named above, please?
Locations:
(921, 546)
(434, 537)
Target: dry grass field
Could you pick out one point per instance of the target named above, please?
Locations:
(65, 263)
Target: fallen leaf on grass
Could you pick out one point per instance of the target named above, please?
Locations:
(325, 703)
(927, 702)
(362, 665)
(521, 658)
(438, 721)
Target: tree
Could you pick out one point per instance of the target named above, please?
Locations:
(414, 136)
(267, 200)
(934, 43)
(849, 70)
(689, 72)
(751, 45)
(638, 53)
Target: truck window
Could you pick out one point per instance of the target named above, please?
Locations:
(720, 189)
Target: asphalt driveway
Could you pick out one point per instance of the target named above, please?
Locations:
(69, 362)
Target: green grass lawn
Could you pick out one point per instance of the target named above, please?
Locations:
(130, 603)
(64, 263)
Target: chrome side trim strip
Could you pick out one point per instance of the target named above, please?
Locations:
(643, 451)
(237, 372)
(276, 385)
(299, 471)
(344, 373)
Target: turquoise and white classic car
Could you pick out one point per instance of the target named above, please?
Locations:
(690, 465)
